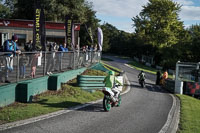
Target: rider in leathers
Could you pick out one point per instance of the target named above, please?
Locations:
(110, 81)
(141, 76)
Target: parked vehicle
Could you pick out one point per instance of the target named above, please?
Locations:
(112, 97)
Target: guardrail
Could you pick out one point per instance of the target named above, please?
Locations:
(89, 83)
(28, 65)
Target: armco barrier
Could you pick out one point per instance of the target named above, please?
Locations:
(27, 89)
(7, 94)
(170, 85)
(89, 83)
(54, 82)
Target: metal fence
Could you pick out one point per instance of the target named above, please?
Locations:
(28, 65)
(187, 71)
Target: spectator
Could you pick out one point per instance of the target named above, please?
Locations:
(50, 59)
(164, 77)
(87, 53)
(91, 48)
(34, 62)
(23, 61)
(158, 77)
(2, 68)
(28, 46)
(86, 47)
(95, 48)
(10, 46)
(77, 55)
(62, 49)
(83, 56)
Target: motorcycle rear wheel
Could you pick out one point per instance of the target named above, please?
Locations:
(106, 104)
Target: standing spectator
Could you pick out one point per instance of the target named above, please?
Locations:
(23, 61)
(95, 48)
(158, 77)
(10, 46)
(94, 52)
(62, 49)
(91, 48)
(2, 67)
(28, 46)
(77, 52)
(34, 62)
(164, 77)
(84, 54)
(87, 53)
(50, 59)
(86, 47)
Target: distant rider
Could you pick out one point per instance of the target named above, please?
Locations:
(141, 76)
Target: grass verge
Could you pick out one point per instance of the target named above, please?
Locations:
(145, 68)
(106, 59)
(190, 116)
(117, 71)
(50, 101)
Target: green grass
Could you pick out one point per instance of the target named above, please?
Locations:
(94, 72)
(116, 70)
(106, 59)
(145, 68)
(50, 101)
(190, 114)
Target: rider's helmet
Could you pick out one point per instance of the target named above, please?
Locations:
(142, 71)
(111, 73)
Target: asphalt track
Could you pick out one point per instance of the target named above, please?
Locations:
(143, 110)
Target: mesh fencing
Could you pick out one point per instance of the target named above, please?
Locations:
(28, 65)
(188, 71)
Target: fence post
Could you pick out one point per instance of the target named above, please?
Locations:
(74, 60)
(17, 76)
(91, 57)
(44, 64)
(61, 56)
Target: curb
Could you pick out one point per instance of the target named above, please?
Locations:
(171, 125)
(50, 115)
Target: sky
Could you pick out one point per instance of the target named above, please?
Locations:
(120, 12)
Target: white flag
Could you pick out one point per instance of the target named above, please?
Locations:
(100, 38)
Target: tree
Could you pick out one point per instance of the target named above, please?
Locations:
(117, 41)
(193, 48)
(5, 11)
(158, 25)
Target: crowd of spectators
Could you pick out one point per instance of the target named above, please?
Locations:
(29, 57)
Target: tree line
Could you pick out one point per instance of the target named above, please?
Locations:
(159, 32)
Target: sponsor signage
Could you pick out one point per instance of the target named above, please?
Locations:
(39, 32)
(29, 24)
(68, 23)
(77, 27)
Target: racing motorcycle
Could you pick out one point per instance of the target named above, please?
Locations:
(142, 82)
(112, 97)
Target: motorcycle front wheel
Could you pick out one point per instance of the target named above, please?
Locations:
(106, 103)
